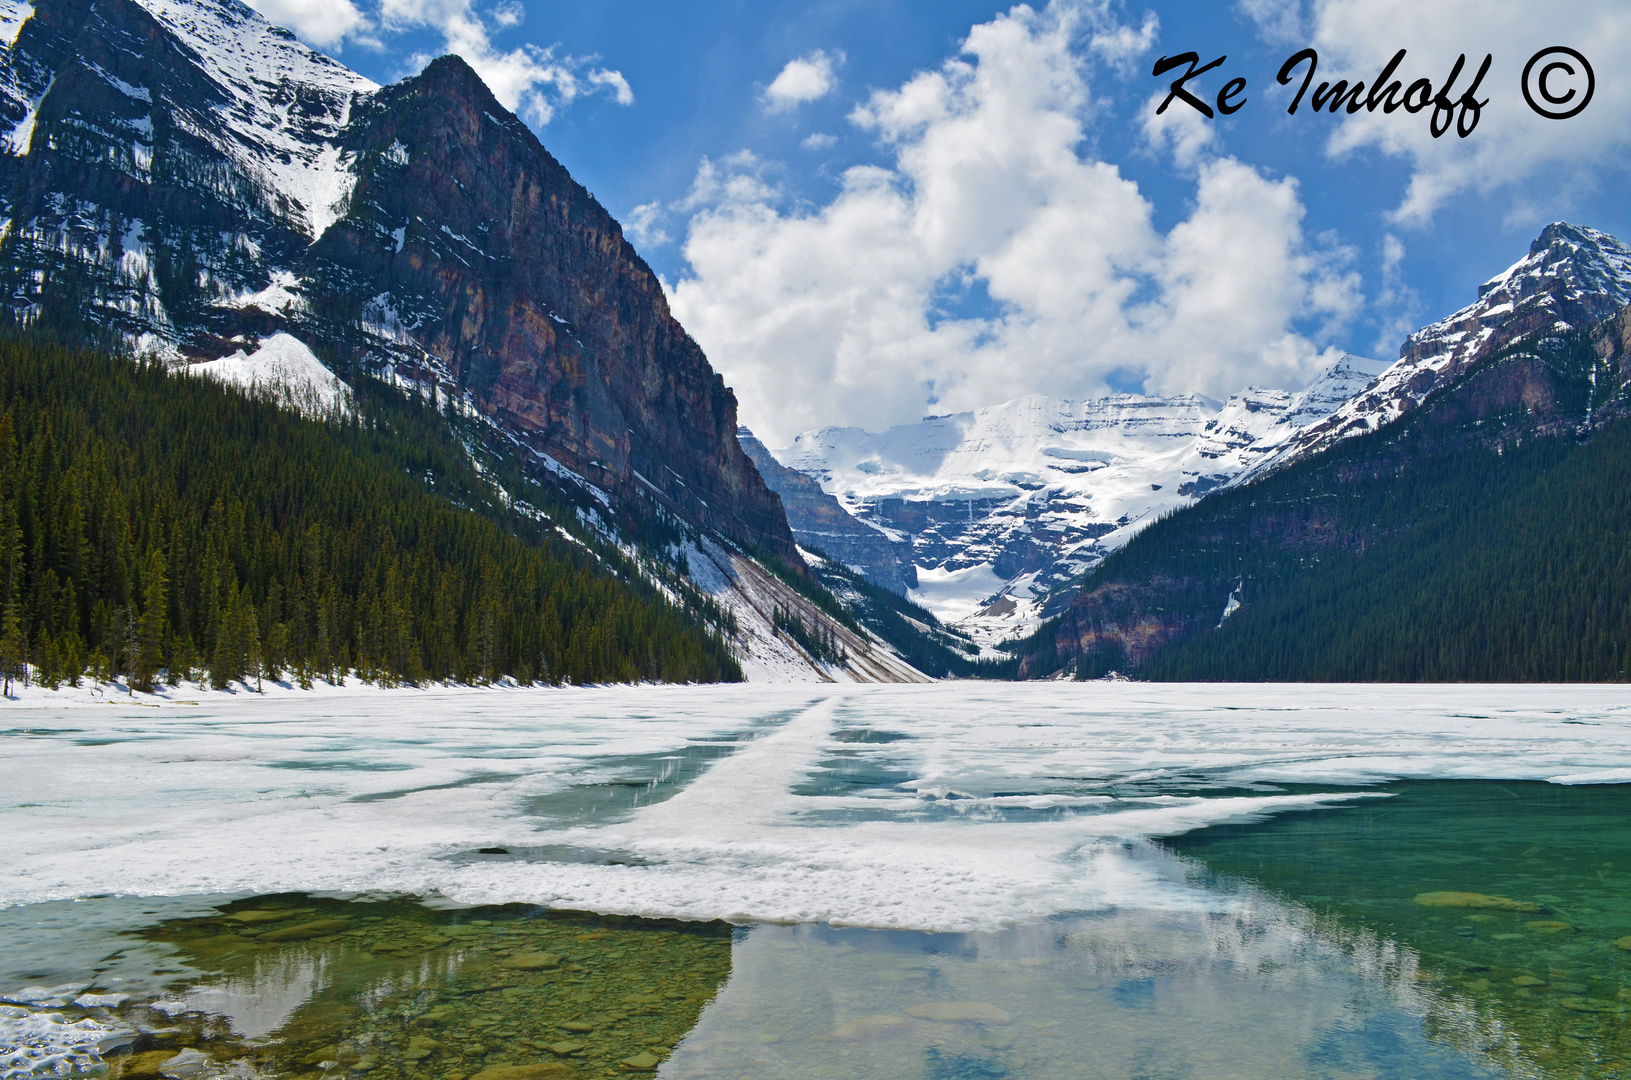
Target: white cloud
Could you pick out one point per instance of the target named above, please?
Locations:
(1512, 147)
(819, 141)
(836, 314)
(536, 82)
(1278, 21)
(808, 78)
(1397, 303)
(1182, 132)
(324, 23)
(643, 225)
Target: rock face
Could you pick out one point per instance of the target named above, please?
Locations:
(1559, 386)
(193, 180)
(513, 283)
(819, 521)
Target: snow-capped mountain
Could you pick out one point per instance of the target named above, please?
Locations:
(997, 507)
(185, 178)
(1572, 277)
(189, 178)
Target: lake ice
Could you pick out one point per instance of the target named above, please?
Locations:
(951, 806)
(885, 848)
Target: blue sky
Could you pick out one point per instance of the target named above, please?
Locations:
(987, 208)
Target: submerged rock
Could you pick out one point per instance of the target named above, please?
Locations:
(544, 1070)
(644, 1061)
(533, 962)
(187, 1065)
(1473, 900)
(308, 930)
(1547, 926)
(139, 1065)
(960, 1012)
(260, 915)
(421, 1047)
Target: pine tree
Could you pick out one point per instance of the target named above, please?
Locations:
(153, 627)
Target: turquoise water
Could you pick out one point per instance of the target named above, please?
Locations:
(1302, 947)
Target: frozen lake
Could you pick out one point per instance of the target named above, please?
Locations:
(891, 855)
(952, 806)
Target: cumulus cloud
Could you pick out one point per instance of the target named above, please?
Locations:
(644, 225)
(536, 82)
(819, 141)
(808, 78)
(324, 23)
(1183, 132)
(992, 257)
(1512, 147)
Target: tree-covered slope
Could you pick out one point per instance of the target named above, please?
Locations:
(1484, 536)
(152, 524)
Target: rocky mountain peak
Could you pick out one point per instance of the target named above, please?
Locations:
(1573, 276)
(194, 180)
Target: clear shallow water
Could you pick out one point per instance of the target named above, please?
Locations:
(998, 839)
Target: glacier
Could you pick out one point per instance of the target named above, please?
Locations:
(999, 507)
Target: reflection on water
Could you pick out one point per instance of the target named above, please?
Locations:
(1454, 930)
(1516, 897)
(1248, 993)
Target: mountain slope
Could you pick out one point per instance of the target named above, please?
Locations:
(1572, 277)
(153, 522)
(819, 521)
(1482, 536)
(182, 179)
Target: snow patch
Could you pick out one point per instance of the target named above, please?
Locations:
(12, 17)
(286, 371)
(280, 296)
(954, 595)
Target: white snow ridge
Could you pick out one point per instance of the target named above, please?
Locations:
(284, 370)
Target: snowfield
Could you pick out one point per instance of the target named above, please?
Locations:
(947, 806)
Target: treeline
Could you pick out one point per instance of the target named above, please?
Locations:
(161, 527)
(817, 640)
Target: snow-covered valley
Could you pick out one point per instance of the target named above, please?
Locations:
(997, 508)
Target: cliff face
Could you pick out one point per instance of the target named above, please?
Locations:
(1572, 277)
(466, 237)
(192, 180)
(818, 520)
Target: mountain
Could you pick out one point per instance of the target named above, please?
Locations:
(195, 182)
(821, 523)
(1482, 534)
(1572, 277)
(156, 525)
(990, 512)
(182, 179)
